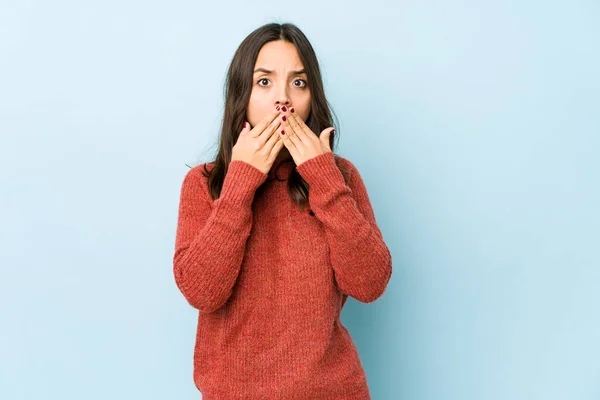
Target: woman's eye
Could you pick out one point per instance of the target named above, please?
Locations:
(263, 79)
(301, 80)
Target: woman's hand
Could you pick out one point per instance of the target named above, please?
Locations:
(260, 145)
(302, 143)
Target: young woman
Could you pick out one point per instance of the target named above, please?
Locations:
(275, 234)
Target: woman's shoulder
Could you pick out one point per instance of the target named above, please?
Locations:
(345, 165)
(199, 174)
(195, 182)
(202, 168)
(340, 160)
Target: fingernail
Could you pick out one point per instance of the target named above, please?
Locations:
(283, 109)
(244, 125)
(277, 108)
(292, 109)
(282, 132)
(283, 118)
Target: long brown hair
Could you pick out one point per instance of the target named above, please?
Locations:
(238, 87)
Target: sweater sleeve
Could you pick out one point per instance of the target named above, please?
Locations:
(211, 235)
(361, 260)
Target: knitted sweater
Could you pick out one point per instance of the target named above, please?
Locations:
(269, 281)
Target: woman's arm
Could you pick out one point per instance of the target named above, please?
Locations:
(360, 258)
(211, 240)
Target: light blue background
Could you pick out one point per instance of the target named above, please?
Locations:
(473, 123)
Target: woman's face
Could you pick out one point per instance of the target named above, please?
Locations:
(277, 81)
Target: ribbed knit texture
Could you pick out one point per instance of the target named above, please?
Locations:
(269, 281)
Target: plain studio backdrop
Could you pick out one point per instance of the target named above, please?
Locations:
(475, 125)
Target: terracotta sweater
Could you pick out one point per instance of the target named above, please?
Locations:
(269, 281)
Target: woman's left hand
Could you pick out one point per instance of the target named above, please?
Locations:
(301, 142)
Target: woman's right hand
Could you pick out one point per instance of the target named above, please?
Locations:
(260, 145)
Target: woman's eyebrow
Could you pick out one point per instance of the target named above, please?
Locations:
(266, 71)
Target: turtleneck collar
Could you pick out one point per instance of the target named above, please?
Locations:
(281, 169)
